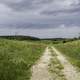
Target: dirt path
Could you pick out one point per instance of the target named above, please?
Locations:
(69, 71)
(40, 70)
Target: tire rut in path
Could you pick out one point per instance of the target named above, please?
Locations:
(40, 70)
(69, 71)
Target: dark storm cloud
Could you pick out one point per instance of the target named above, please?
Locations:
(37, 4)
(25, 4)
(56, 12)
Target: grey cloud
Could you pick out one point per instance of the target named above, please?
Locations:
(46, 7)
(56, 12)
(39, 15)
(60, 31)
(18, 5)
(25, 4)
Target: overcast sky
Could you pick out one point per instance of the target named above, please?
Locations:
(40, 18)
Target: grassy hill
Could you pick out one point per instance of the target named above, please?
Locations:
(72, 51)
(17, 58)
(20, 37)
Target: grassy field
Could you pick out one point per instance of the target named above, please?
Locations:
(72, 51)
(17, 58)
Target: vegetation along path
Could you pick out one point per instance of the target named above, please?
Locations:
(40, 70)
(69, 71)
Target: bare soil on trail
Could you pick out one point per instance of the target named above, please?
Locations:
(40, 70)
(69, 71)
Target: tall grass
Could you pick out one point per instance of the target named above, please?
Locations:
(17, 58)
(72, 51)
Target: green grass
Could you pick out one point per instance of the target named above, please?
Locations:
(17, 58)
(72, 51)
